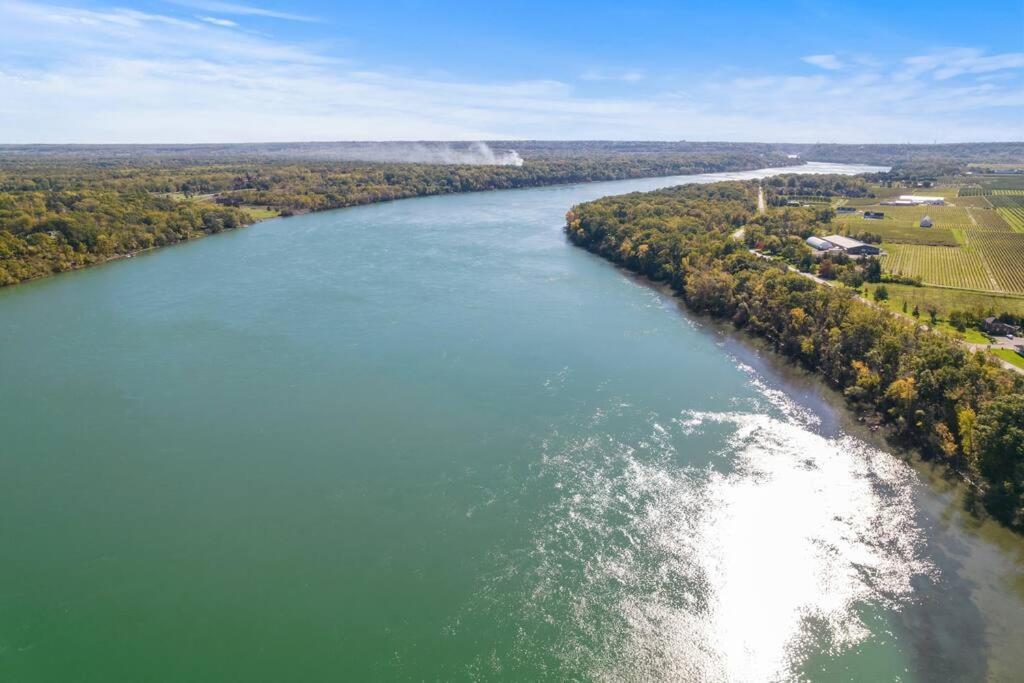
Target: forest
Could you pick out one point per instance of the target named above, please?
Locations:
(69, 207)
(948, 402)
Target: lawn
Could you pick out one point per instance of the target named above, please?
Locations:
(1011, 356)
(260, 213)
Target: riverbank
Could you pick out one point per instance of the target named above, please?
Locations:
(937, 396)
(59, 217)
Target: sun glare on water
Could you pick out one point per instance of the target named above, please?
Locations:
(733, 572)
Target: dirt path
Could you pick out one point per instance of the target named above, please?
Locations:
(760, 199)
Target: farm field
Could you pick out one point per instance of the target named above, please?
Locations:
(948, 300)
(1003, 253)
(977, 242)
(945, 266)
(892, 232)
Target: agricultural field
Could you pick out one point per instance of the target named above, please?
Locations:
(892, 232)
(1003, 253)
(944, 266)
(977, 242)
(947, 300)
(1011, 208)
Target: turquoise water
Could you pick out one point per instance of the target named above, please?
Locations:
(429, 439)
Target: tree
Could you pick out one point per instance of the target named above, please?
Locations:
(882, 293)
(873, 270)
(998, 441)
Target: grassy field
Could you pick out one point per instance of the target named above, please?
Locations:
(1011, 357)
(948, 300)
(260, 213)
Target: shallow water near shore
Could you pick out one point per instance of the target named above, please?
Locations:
(430, 439)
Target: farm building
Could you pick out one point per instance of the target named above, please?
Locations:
(874, 214)
(818, 244)
(920, 199)
(994, 326)
(846, 209)
(853, 247)
(926, 222)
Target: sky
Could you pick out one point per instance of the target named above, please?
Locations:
(177, 71)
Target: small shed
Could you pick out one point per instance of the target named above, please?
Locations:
(926, 222)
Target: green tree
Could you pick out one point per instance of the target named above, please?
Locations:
(998, 442)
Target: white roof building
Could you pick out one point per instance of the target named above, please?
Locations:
(921, 199)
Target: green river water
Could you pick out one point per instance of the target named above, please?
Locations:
(431, 440)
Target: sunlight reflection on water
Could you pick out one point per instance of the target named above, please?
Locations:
(733, 571)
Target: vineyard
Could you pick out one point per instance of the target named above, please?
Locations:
(946, 266)
(1003, 252)
(1011, 208)
(976, 242)
(901, 233)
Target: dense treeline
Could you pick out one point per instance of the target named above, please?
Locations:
(938, 396)
(56, 215)
(45, 232)
(955, 155)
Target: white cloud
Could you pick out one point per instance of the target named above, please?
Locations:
(830, 62)
(74, 75)
(216, 21)
(626, 76)
(952, 63)
(242, 10)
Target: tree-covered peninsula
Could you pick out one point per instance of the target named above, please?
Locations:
(946, 400)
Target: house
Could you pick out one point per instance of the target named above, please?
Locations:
(853, 247)
(846, 209)
(874, 214)
(926, 222)
(994, 326)
(921, 199)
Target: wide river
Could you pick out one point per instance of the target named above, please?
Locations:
(430, 439)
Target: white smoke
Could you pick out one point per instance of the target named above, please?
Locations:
(474, 154)
(467, 153)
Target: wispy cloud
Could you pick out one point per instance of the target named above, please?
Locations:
(239, 9)
(830, 62)
(76, 75)
(625, 75)
(216, 21)
(952, 63)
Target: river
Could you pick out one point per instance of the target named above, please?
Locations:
(430, 439)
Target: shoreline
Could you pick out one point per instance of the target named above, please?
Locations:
(870, 416)
(255, 221)
(942, 479)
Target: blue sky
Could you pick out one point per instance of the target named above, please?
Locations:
(220, 70)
